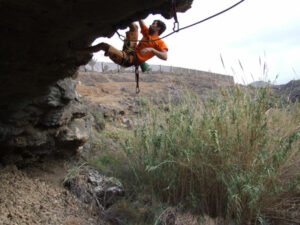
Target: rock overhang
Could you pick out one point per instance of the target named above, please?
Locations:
(39, 38)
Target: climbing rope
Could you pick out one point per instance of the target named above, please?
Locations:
(176, 23)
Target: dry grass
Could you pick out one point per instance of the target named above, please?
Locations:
(235, 157)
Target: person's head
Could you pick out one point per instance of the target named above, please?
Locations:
(158, 26)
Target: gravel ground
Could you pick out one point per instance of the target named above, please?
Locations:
(34, 196)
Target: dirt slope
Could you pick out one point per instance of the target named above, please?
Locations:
(118, 90)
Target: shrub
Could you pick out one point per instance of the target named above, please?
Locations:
(235, 156)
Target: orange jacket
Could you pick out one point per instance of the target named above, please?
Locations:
(158, 45)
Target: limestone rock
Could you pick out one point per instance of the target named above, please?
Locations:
(54, 123)
(88, 185)
(75, 131)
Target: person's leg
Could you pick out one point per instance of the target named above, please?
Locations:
(96, 48)
(117, 56)
(133, 27)
(131, 37)
(121, 58)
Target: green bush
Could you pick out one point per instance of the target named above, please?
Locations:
(236, 156)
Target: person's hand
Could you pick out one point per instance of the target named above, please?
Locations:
(144, 50)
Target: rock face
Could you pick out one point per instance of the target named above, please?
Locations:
(53, 123)
(39, 109)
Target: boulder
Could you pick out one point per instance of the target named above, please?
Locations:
(92, 187)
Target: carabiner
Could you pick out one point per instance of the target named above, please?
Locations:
(137, 90)
(176, 26)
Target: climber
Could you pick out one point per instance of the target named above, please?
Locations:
(133, 53)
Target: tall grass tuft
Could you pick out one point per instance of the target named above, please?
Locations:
(236, 156)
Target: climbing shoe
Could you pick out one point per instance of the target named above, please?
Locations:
(145, 67)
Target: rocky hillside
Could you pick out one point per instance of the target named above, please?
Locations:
(290, 91)
(118, 90)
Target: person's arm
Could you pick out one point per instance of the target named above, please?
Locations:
(163, 54)
(142, 23)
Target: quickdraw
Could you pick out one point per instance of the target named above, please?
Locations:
(137, 76)
(174, 12)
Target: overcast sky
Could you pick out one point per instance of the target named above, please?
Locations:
(255, 33)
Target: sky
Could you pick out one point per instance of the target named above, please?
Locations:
(257, 40)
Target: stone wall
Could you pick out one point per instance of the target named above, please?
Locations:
(107, 67)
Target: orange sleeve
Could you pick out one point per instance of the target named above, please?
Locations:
(161, 45)
(144, 30)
